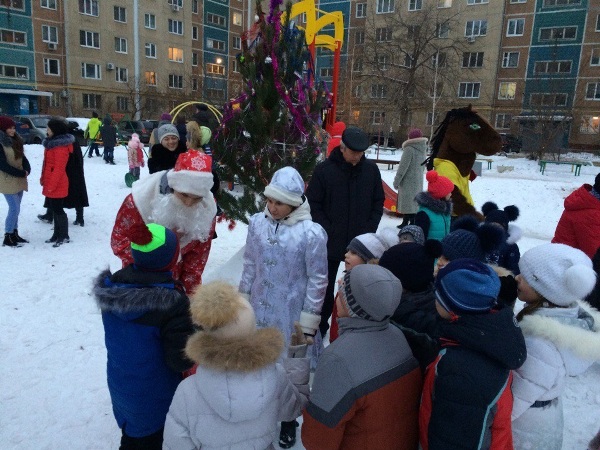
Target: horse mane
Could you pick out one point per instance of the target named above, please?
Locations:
(440, 131)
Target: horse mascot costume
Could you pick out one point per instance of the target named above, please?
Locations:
(455, 144)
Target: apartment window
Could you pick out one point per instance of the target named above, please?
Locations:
(383, 34)
(177, 3)
(150, 78)
(510, 59)
(376, 117)
(236, 19)
(49, 34)
(476, 28)
(121, 74)
(468, 90)
(122, 103)
(150, 21)
(472, 59)
(592, 91)
(13, 37)
(215, 44)
(444, 4)
(442, 30)
(88, 7)
(439, 59)
(558, 33)
(216, 93)
(51, 66)
(55, 100)
(476, 2)
(385, 6)
(598, 22)
(432, 118)
(515, 27)
(302, 18)
(326, 71)
(413, 31)
(150, 50)
(194, 58)
(215, 69)
(237, 43)
(92, 101)
(195, 6)
(89, 39)
(49, 4)
(357, 91)
(506, 91)
(194, 84)
(503, 120)
(552, 67)
(195, 33)
(361, 10)
(548, 3)
(378, 91)
(590, 125)
(176, 54)
(175, 81)
(175, 26)
(120, 14)
(120, 45)
(435, 91)
(235, 65)
(382, 62)
(518, 1)
(549, 99)
(89, 70)
(408, 61)
(358, 65)
(595, 58)
(415, 5)
(19, 72)
(215, 19)
(359, 37)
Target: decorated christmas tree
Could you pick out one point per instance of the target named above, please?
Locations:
(275, 121)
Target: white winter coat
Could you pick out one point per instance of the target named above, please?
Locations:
(560, 342)
(285, 268)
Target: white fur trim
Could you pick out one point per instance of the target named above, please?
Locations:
(191, 182)
(309, 322)
(273, 192)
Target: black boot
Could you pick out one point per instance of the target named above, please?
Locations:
(61, 226)
(46, 217)
(287, 435)
(78, 216)
(18, 238)
(9, 241)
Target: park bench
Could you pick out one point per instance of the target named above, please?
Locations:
(390, 162)
(575, 165)
(488, 160)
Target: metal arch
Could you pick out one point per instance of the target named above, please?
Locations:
(175, 111)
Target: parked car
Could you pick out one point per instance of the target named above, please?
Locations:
(151, 124)
(37, 124)
(511, 143)
(128, 127)
(23, 131)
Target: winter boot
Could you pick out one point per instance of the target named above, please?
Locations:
(287, 435)
(9, 241)
(46, 217)
(18, 239)
(78, 217)
(61, 226)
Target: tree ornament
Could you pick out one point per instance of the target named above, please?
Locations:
(268, 60)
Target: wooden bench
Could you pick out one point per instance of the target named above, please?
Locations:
(575, 165)
(488, 160)
(390, 162)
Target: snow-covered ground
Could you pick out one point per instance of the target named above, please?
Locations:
(53, 392)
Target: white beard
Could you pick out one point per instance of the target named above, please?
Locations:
(190, 223)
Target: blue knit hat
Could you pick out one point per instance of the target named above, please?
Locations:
(153, 247)
(467, 286)
(470, 239)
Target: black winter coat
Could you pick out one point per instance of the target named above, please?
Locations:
(594, 297)
(163, 159)
(345, 200)
(109, 134)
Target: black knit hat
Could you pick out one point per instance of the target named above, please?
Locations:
(501, 216)
(412, 263)
(355, 139)
(597, 183)
(470, 239)
(58, 126)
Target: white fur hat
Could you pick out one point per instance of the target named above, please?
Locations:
(286, 186)
(372, 245)
(561, 274)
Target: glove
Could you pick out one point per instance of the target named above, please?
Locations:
(299, 342)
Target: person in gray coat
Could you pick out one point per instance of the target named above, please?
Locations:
(409, 177)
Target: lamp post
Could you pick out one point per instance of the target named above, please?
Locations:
(379, 132)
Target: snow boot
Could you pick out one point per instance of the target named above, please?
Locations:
(9, 241)
(46, 217)
(287, 435)
(18, 239)
(61, 227)
(78, 217)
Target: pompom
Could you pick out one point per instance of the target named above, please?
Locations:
(580, 280)
(468, 223)
(389, 235)
(488, 207)
(433, 248)
(431, 176)
(490, 236)
(214, 305)
(140, 234)
(512, 212)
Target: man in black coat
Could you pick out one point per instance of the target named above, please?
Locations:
(346, 197)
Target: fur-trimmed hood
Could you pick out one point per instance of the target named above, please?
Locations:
(299, 214)
(58, 141)
(418, 143)
(439, 206)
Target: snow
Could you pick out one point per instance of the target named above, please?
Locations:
(53, 391)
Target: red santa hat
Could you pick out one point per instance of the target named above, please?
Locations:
(192, 174)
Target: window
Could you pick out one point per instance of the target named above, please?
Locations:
(175, 54)
(215, 19)
(89, 70)
(215, 44)
(506, 91)
(150, 50)
(442, 30)
(51, 66)
(595, 58)
(92, 101)
(237, 43)
(590, 125)
(195, 6)
(413, 32)
(376, 117)
(175, 81)
(19, 72)
(194, 84)
(435, 90)
(359, 37)
(381, 62)
(558, 33)
(55, 100)
(548, 99)
(235, 65)
(552, 67)
(503, 120)
(472, 59)
(476, 28)
(177, 3)
(383, 34)
(510, 59)
(120, 45)
(326, 71)
(15, 4)
(408, 61)
(122, 103)
(444, 4)
(468, 90)
(415, 5)
(518, 1)
(120, 14)
(150, 78)
(121, 74)
(194, 58)
(215, 69)
(195, 33)
(476, 2)
(88, 7)
(236, 19)
(592, 91)
(548, 3)
(357, 66)
(175, 26)
(49, 34)
(49, 4)
(515, 27)
(357, 91)
(361, 10)
(432, 119)
(385, 6)
(215, 93)
(150, 21)
(378, 91)
(598, 22)
(89, 39)
(13, 37)
(439, 59)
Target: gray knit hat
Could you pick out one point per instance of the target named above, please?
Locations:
(372, 245)
(167, 130)
(411, 231)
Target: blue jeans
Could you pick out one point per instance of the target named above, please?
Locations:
(93, 146)
(14, 208)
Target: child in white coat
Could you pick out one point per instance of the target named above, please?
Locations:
(562, 334)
